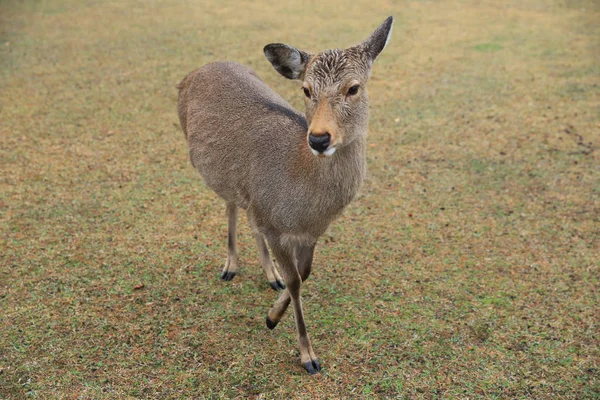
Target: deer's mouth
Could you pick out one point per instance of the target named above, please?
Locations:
(327, 153)
(321, 144)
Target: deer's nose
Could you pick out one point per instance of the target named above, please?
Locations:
(319, 142)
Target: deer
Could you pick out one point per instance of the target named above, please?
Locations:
(292, 173)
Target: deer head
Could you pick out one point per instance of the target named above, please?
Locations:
(334, 83)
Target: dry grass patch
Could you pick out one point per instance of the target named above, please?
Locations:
(467, 268)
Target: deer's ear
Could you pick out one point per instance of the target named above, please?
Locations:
(378, 39)
(288, 61)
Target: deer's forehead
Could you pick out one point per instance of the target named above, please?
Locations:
(334, 67)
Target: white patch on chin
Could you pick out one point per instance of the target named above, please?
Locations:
(326, 153)
(329, 152)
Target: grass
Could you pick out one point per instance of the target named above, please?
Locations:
(467, 267)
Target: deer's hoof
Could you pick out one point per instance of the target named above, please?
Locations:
(271, 324)
(312, 366)
(227, 276)
(277, 285)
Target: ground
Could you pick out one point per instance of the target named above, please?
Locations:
(468, 266)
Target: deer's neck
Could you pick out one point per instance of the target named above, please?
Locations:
(335, 180)
(348, 169)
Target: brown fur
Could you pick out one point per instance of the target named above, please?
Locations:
(250, 146)
(324, 121)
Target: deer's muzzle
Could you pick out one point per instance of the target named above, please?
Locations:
(319, 143)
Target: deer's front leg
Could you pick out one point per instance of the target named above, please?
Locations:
(286, 259)
(304, 257)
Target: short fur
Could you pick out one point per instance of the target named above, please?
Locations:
(251, 148)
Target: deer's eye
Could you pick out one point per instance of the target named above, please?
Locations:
(306, 92)
(353, 90)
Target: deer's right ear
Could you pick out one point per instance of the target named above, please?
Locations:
(288, 61)
(379, 39)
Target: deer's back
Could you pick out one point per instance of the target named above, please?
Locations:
(237, 128)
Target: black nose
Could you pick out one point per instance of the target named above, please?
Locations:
(319, 143)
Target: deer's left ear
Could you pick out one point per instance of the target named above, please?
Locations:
(287, 60)
(378, 39)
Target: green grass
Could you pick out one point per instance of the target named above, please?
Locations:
(466, 268)
(488, 47)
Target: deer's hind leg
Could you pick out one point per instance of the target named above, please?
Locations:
(273, 276)
(231, 265)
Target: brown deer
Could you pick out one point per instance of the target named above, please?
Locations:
(292, 174)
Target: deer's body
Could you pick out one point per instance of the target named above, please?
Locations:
(250, 147)
(292, 174)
